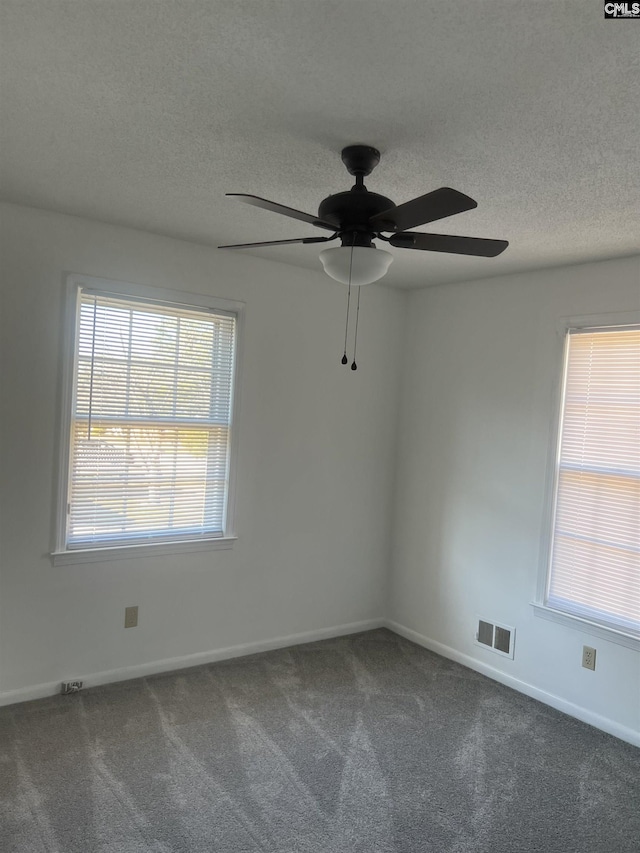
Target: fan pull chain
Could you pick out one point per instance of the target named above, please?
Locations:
(354, 366)
(344, 359)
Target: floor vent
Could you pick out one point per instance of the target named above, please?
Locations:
(498, 638)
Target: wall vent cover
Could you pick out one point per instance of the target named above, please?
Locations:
(498, 638)
(502, 640)
(485, 633)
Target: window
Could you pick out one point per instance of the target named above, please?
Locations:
(594, 571)
(148, 421)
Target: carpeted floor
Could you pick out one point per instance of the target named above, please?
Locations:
(366, 743)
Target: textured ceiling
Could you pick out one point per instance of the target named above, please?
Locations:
(145, 112)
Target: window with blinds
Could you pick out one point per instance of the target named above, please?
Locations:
(150, 422)
(595, 555)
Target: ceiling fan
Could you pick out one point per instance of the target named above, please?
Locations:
(357, 216)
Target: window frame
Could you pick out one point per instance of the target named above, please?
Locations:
(541, 609)
(60, 554)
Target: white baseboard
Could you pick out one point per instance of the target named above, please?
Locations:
(557, 702)
(51, 688)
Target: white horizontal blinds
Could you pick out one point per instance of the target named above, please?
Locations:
(150, 424)
(595, 567)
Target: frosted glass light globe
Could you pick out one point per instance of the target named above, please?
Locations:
(369, 264)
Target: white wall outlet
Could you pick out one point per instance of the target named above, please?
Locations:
(131, 616)
(588, 657)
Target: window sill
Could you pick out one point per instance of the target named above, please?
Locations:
(585, 625)
(128, 552)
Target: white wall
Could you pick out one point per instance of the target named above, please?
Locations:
(481, 364)
(317, 472)
(314, 480)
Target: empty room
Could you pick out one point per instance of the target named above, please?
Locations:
(320, 426)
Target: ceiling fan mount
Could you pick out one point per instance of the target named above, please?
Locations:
(360, 160)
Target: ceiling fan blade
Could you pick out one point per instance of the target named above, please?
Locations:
(426, 208)
(448, 243)
(265, 204)
(279, 242)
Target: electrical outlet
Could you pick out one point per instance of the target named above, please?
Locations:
(131, 617)
(71, 687)
(588, 657)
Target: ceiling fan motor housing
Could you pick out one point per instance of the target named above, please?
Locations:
(351, 212)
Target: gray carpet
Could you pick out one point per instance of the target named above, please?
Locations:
(366, 743)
